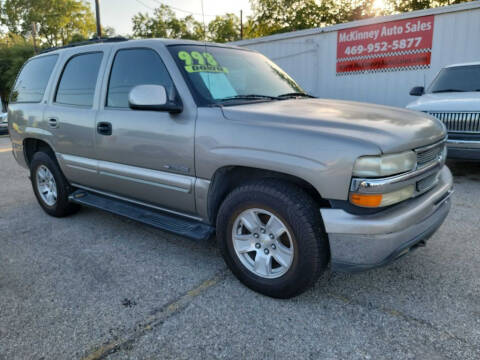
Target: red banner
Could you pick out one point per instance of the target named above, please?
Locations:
(395, 45)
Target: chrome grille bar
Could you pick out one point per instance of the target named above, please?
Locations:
(459, 122)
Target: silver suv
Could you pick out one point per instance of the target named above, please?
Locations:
(198, 138)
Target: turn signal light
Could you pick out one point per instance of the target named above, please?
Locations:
(366, 200)
(380, 200)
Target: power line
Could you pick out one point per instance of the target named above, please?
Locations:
(142, 3)
(184, 11)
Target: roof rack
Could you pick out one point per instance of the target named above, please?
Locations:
(86, 42)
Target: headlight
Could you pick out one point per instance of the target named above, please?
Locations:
(385, 165)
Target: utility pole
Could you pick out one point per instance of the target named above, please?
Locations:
(97, 12)
(34, 37)
(241, 24)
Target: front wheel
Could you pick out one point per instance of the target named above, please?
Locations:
(271, 236)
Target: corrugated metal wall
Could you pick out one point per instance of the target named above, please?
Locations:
(309, 56)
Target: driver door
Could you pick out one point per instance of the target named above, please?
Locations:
(145, 156)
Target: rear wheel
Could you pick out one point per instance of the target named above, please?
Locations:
(271, 236)
(50, 186)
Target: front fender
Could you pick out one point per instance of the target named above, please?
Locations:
(323, 161)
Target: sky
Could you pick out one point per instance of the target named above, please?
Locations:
(118, 13)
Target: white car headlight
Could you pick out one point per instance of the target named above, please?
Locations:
(385, 165)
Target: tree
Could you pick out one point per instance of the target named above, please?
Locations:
(58, 21)
(164, 23)
(346, 10)
(271, 16)
(411, 5)
(224, 28)
(14, 51)
(107, 32)
(274, 16)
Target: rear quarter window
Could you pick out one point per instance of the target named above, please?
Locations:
(33, 79)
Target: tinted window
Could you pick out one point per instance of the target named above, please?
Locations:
(457, 79)
(228, 76)
(77, 85)
(33, 79)
(136, 67)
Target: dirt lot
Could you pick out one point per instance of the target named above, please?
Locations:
(98, 286)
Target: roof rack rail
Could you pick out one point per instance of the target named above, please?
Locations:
(86, 42)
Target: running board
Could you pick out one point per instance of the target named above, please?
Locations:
(190, 228)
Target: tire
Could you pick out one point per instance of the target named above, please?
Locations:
(57, 206)
(305, 251)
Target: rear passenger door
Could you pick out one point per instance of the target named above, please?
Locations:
(26, 107)
(148, 156)
(70, 116)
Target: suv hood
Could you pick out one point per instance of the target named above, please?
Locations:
(454, 101)
(391, 129)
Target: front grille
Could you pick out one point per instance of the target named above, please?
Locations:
(424, 157)
(460, 122)
(427, 183)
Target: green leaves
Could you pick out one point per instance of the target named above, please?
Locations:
(224, 28)
(412, 5)
(58, 21)
(165, 24)
(14, 51)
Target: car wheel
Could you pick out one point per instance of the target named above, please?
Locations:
(50, 186)
(271, 236)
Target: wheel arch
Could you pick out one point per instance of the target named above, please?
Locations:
(33, 145)
(227, 178)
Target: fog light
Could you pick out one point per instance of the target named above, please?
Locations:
(381, 200)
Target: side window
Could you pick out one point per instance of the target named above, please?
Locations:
(33, 79)
(78, 81)
(132, 67)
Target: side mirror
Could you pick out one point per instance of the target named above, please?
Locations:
(417, 91)
(152, 97)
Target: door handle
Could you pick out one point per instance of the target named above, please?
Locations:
(104, 128)
(53, 123)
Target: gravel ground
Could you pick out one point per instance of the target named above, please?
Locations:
(98, 286)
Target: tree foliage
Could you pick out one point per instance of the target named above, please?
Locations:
(224, 28)
(271, 17)
(276, 16)
(58, 21)
(164, 23)
(14, 51)
(411, 5)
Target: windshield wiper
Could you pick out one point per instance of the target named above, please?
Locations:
(249, 97)
(447, 90)
(296, 94)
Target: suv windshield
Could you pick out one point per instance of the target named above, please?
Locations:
(218, 75)
(457, 79)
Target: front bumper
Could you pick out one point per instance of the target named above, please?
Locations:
(463, 149)
(361, 242)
